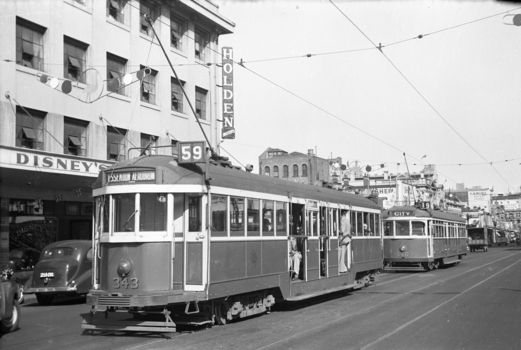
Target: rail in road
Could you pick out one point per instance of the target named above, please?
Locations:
(472, 305)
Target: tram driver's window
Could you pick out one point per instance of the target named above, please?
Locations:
(219, 209)
(152, 212)
(194, 214)
(418, 228)
(402, 228)
(106, 212)
(359, 224)
(236, 217)
(268, 226)
(124, 212)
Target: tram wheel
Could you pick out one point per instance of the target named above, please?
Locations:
(435, 264)
(220, 311)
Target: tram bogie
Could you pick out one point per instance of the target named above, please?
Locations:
(187, 244)
(422, 239)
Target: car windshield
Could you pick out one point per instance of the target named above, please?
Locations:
(57, 253)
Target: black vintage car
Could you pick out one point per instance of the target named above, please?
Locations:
(64, 268)
(9, 307)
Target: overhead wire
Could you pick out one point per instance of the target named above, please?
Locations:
(418, 92)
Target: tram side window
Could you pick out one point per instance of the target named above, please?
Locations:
(389, 228)
(282, 218)
(194, 214)
(369, 220)
(179, 210)
(152, 212)
(353, 223)
(359, 224)
(418, 228)
(236, 216)
(124, 212)
(377, 225)
(219, 209)
(334, 217)
(267, 218)
(253, 217)
(402, 228)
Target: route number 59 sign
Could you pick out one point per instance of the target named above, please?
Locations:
(192, 152)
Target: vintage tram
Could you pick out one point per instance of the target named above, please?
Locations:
(422, 239)
(179, 243)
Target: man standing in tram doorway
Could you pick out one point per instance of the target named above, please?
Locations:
(344, 239)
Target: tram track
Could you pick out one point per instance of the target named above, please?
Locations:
(389, 300)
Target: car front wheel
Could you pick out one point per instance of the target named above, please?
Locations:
(12, 323)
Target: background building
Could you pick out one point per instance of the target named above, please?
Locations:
(295, 166)
(85, 84)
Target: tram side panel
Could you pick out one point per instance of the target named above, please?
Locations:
(239, 267)
(367, 254)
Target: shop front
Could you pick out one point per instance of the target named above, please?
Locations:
(44, 198)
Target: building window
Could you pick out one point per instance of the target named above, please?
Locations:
(177, 31)
(117, 10)
(275, 171)
(285, 171)
(295, 170)
(75, 136)
(148, 86)
(267, 171)
(200, 42)
(148, 144)
(116, 143)
(116, 68)
(29, 128)
(29, 44)
(74, 57)
(152, 11)
(200, 103)
(177, 95)
(304, 170)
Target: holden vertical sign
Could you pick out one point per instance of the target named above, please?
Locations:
(228, 129)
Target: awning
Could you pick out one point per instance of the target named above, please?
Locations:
(75, 141)
(74, 62)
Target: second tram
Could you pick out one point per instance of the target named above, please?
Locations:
(422, 239)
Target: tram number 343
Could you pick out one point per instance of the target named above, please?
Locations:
(126, 283)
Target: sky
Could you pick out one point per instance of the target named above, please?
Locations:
(444, 89)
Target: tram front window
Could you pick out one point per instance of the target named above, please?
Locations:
(418, 228)
(402, 228)
(152, 212)
(124, 212)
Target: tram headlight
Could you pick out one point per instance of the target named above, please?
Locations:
(402, 248)
(125, 267)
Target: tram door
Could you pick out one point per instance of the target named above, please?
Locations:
(313, 244)
(195, 244)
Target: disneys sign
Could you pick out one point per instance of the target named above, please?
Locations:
(228, 129)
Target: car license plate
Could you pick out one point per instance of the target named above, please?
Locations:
(46, 274)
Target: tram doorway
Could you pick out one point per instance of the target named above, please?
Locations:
(196, 244)
(298, 235)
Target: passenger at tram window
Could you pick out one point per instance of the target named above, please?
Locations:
(266, 225)
(295, 257)
(367, 231)
(344, 240)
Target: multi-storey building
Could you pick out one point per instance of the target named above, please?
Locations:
(294, 166)
(85, 84)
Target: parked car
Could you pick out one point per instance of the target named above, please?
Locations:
(21, 264)
(64, 268)
(9, 307)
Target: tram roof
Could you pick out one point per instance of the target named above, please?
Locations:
(419, 212)
(174, 173)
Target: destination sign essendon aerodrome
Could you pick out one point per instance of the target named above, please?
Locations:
(131, 176)
(228, 129)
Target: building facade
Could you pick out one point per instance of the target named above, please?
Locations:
(86, 84)
(295, 166)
